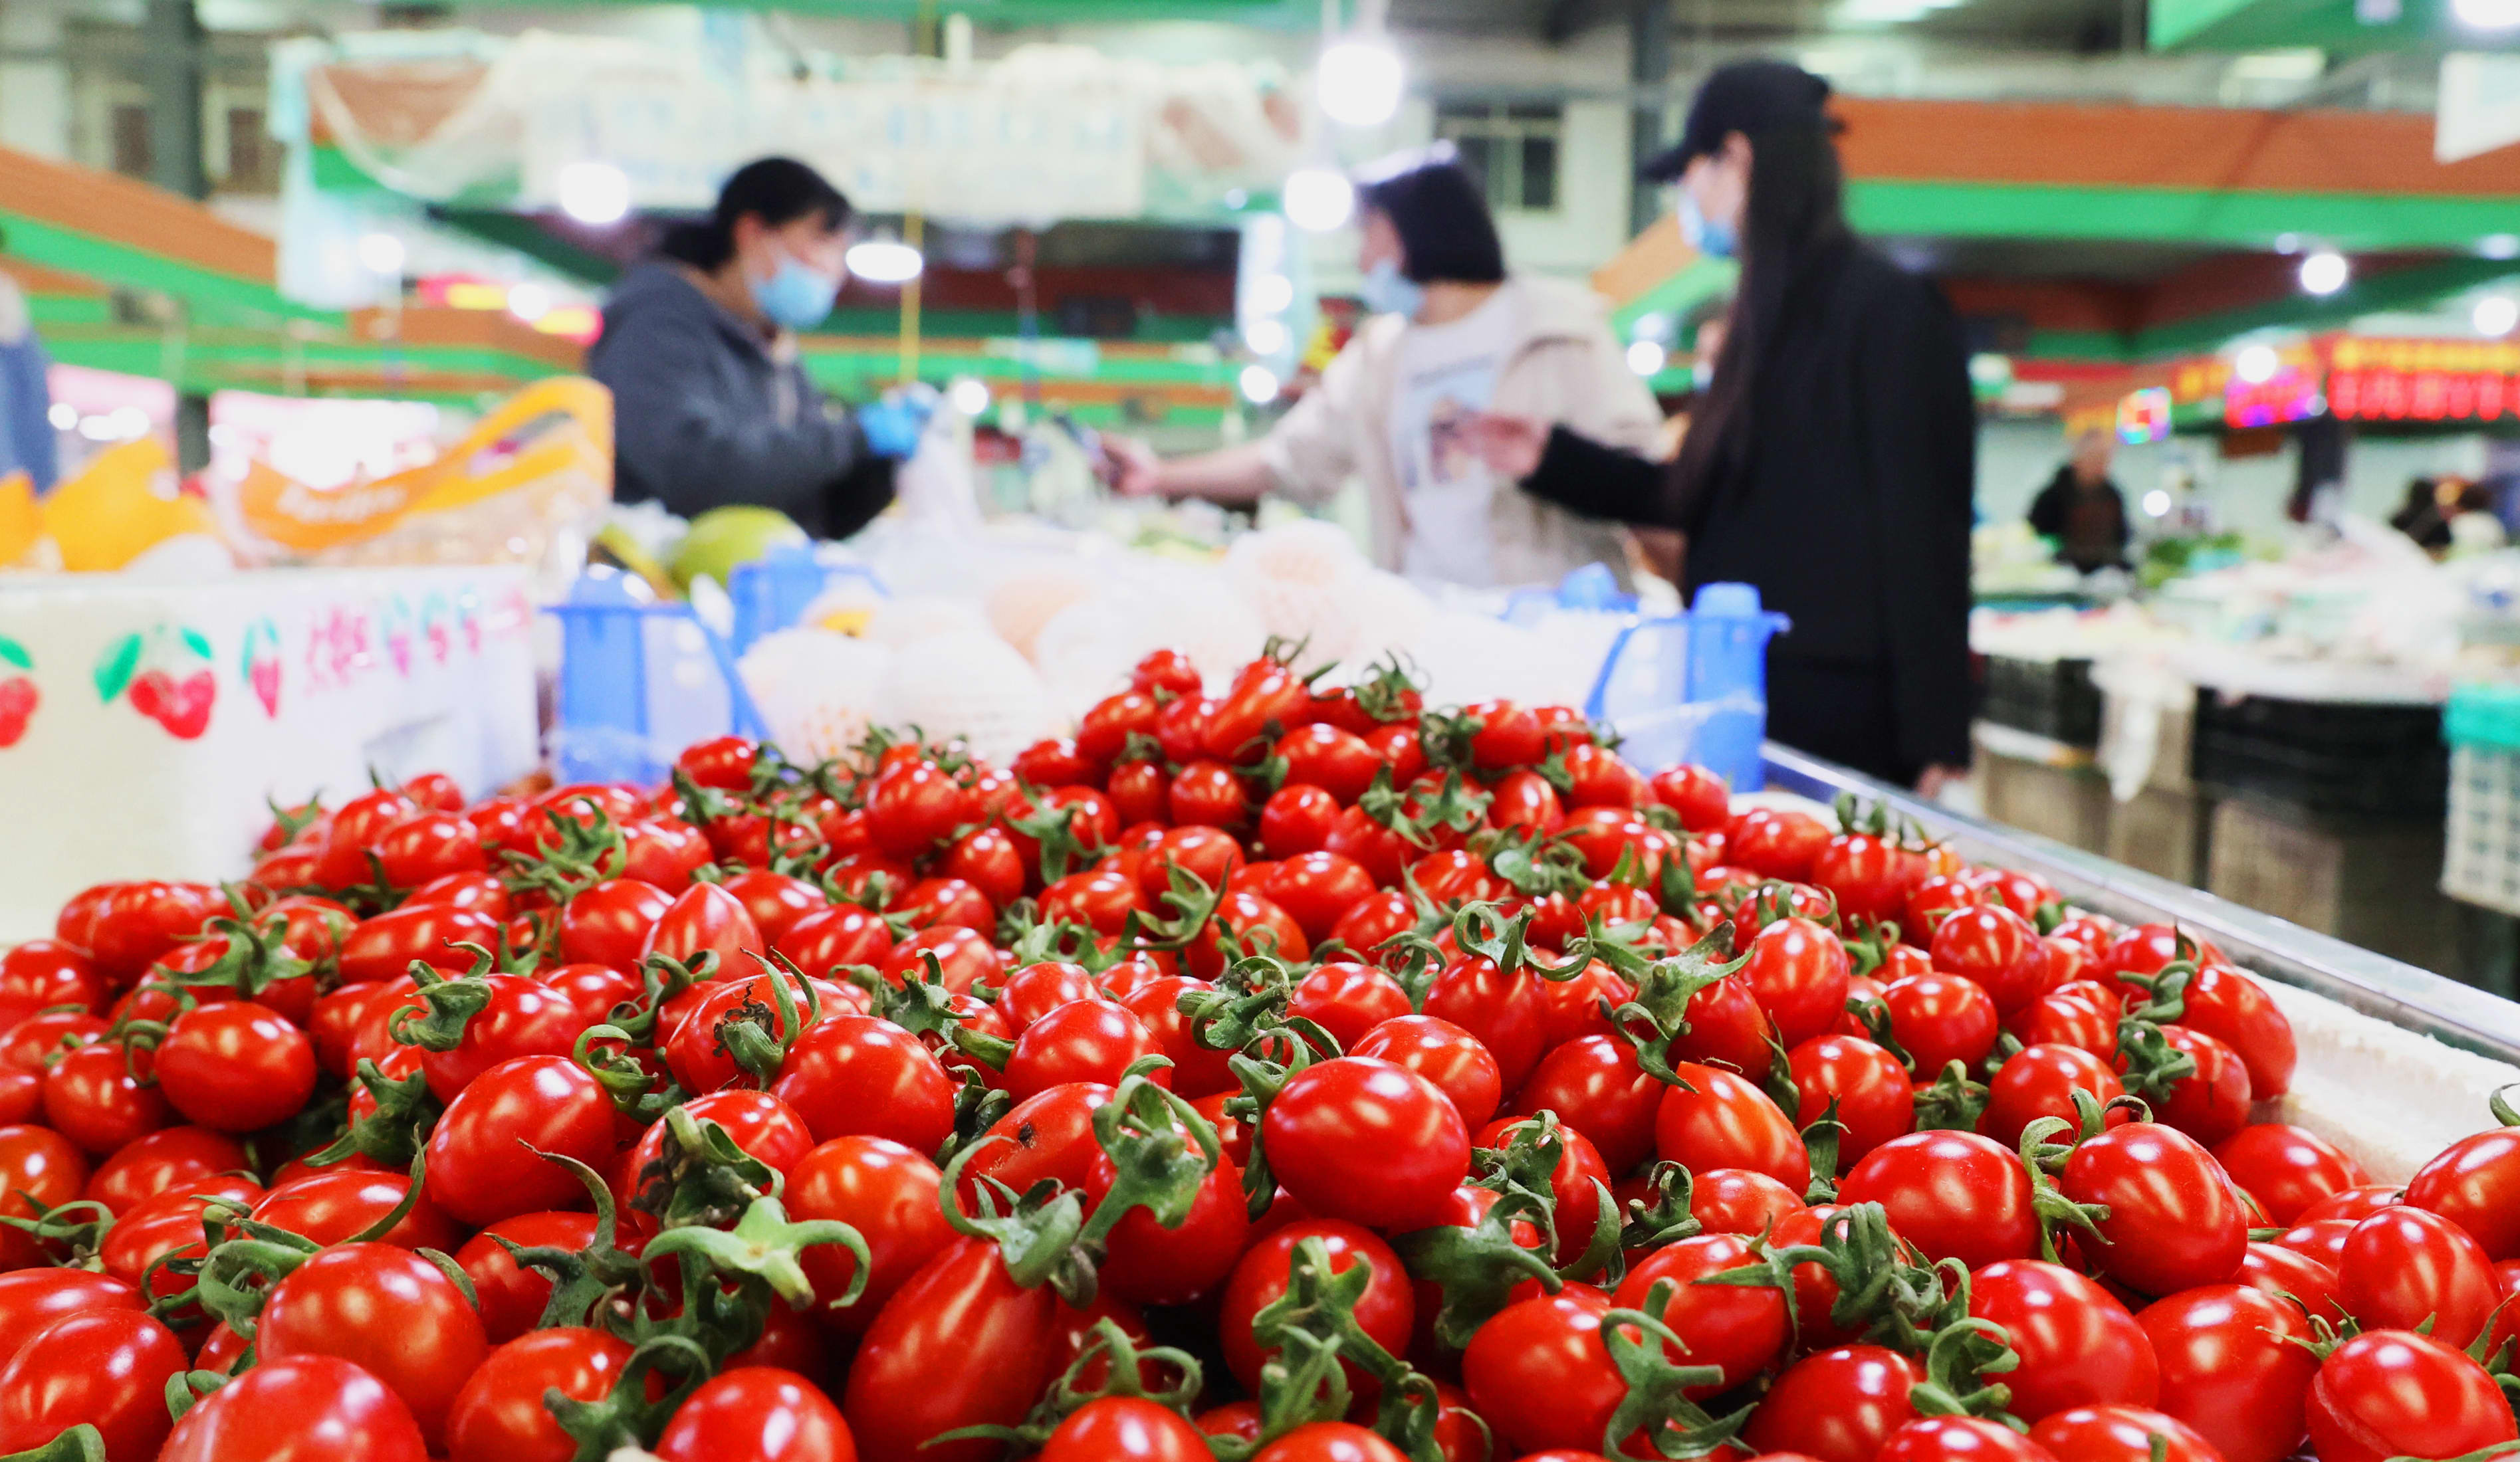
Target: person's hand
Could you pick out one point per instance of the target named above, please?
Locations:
(1933, 779)
(891, 428)
(1509, 445)
(1136, 470)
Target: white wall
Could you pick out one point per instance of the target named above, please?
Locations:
(34, 93)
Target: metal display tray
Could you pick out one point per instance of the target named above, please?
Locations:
(2374, 985)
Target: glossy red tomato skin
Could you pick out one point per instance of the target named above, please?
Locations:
(1726, 1122)
(2281, 1272)
(1738, 1328)
(1044, 1136)
(1149, 1264)
(1875, 1099)
(2227, 1005)
(2397, 1393)
(2079, 1347)
(383, 947)
(329, 1207)
(861, 1075)
(1444, 1053)
(1502, 1011)
(1798, 970)
(100, 1097)
(37, 1165)
(1838, 1405)
(512, 1299)
(1954, 1195)
(2213, 1103)
(1540, 1373)
(1959, 1438)
(1701, 797)
(1940, 1018)
(2286, 1169)
(608, 924)
(887, 1193)
(1997, 948)
(1368, 1141)
(758, 1413)
(2040, 1080)
(2403, 1265)
(1595, 1085)
(499, 1416)
(1125, 1429)
(2173, 1222)
(385, 1309)
(2119, 1434)
(107, 1368)
(235, 1067)
(829, 940)
(958, 1344)
(169, 1158)
(1386, 1310)
(302, 1408)
(479, 1168)
(2475, 1183)
(1090, 1040)
(2230, 1368)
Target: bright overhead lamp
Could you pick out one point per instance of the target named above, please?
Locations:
(2257, 364)
(2499, 245)
(1272, 293)
(2325, 272)
(1646, 358)
(2156, 503)
(1318, 199)
(530, 301)
(1360, 81)
(1259, 385)
(884, 261)
(2486, 15)
(595, 193)
(970, 396)
(2495, 315)
(1266, 335)
(382, 253)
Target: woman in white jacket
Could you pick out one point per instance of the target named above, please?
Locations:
(1452, 336)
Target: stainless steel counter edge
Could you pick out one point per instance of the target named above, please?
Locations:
(2377, 986)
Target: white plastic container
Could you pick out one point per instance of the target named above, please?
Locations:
(164, 717)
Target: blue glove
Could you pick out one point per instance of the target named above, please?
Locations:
(891, 428)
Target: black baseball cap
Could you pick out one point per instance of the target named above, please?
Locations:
(1745, 95)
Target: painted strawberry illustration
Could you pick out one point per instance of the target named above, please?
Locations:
(168, 674)
(18, 696)
(260, 662)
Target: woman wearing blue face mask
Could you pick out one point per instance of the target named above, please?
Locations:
(711, 406)
(1831, 459)
(1451, 335)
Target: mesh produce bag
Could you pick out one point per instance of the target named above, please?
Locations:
(1298, 578)
(971, 685)
(818, 692)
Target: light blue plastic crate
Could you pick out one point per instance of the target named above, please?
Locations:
(1693, 686)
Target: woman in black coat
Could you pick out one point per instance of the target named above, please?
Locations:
(1832, 459)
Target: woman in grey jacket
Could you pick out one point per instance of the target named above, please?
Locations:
(1452, 336)
(710, 404)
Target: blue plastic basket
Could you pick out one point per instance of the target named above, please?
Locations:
(1693, 686)
(639, 681)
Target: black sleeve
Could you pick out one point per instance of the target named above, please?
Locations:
(2126, 527)
(2047, 509)
(859, 494)
(1921, 453)
(1582, 475)
(695, 448)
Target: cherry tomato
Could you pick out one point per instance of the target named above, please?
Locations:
(1445, 1054)
(1125, 1429)
(480, 1168)
(2172, 1222)
(2403, 1265)
(2079, 1347)
(1959, 1438)
(2233, 1366)
(2475, 1183)
(1386, 1310)
(1366, 1140)
(1718, 1120)
(107, 1368)
(1954, 1195)
(2397, 1393)
(1870, 1088)
(2286, 1169)
(756, 1413)
(1539, 1372)
(387, 1310)
(236, 1066)
(887, 1193)
(1840, 1405)
(2121, 1434)
(1739, 1328)
(2040, 1080)
(300, 1408)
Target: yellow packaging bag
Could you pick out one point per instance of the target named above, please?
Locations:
(119, 508)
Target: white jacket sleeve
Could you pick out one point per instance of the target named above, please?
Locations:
(1312, 450)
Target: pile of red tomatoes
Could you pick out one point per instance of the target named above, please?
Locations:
(1295, 1074)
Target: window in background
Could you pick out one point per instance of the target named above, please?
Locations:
(1514, 149)
(131, 153)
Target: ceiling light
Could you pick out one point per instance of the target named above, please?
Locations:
(381, 253)
(1360, 81)
(2325, 272)
(884, 261)
(1265, 335)
(2156, 503)
(2495, 315)
(595, 193)
(1646, 358)
(2257, 365)
(530, 301)
(2499, 245)
(1318, 199)
(970, 395)
(2486, 15)
(62, 415)
(1259, 385)
(1272, 292)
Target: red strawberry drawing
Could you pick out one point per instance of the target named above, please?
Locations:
(264, 676)
(18, 699)
(151, 692)
(188, 707)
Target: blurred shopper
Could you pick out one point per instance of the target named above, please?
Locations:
(1451, 335)
(2082, 508)
(711, 405)
(1831, 459)
(27, 443)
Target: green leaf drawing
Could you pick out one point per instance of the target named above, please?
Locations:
(114, 670)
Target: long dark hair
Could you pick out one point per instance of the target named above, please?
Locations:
(1795, 214)
(775, 190)
(1442, 218)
